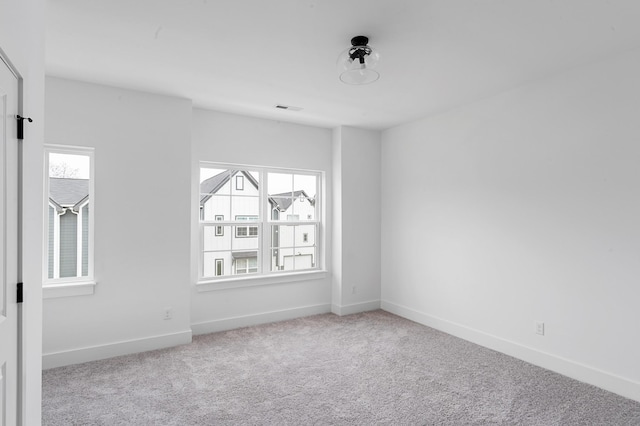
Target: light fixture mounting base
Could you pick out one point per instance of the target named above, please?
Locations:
(360, 41)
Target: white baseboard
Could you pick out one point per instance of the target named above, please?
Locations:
(355, 308)
(575, 370)
(262, 318)
(94, 353)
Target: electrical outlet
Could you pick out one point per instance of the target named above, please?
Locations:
(167, 313)
(539, 328)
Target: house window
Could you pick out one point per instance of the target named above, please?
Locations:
(219, 267)
(246, 231)
(247, 265)
(219, 229)
(69, 213)
(275, 220)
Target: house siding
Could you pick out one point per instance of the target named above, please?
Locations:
(85, 241)
(68, 245)
(52, 216)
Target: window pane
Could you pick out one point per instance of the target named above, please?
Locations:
(246, 262)
(213, 241)
(245, 238)
(306, 183)
(69, 166)
(68, 245)
(282, 208)
(305, 235)
(282, 259)
(212, 181)
(292, 196)
(290, 259)
(245, 183)
(216, 264)
(246, 207)
(280, 184)
(51, 242)
(214, 206)
(293, 236)
(304, 208)
(304, 258)
(85, 240)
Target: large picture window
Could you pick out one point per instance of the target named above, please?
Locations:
(274, 223)
(69, 213)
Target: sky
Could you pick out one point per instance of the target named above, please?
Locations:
(278, 182)
(78, 163)
(79, 167)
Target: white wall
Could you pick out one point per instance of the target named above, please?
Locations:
(142, 221)
(356, 173)
(521, 208)
(229, 138)
(22, 40)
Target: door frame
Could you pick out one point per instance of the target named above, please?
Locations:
(20, 318)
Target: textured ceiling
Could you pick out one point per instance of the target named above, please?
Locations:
(246, 56)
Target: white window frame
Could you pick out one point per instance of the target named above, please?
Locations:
(69, 286)
(264, 225)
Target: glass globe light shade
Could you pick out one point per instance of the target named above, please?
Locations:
(356, 65)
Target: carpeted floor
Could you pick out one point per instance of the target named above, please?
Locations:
(364, 369)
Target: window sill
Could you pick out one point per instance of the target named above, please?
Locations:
(258, 280)
(68, 289)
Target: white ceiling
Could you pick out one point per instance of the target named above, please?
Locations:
(246, 56)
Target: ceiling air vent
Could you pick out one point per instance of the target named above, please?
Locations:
(288, 107)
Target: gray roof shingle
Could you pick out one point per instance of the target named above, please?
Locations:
(284, 200)
(213, 184)
(68, 192)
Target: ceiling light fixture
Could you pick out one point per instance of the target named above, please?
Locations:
(356, 64)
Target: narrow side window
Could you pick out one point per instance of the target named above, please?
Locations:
(69, 212)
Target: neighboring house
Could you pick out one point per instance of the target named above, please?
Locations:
(232, 249)
(297, 241)
(68, 240)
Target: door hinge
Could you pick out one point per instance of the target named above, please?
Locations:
(21, 119)
(20, 298)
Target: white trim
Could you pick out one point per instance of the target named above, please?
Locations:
(67, 289)
(355, 308)
(252, 280)
(575, 370)
(126, 347)
(262, 318)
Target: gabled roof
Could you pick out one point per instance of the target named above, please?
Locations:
(213, 184)
(284, 200)
(68, 192)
